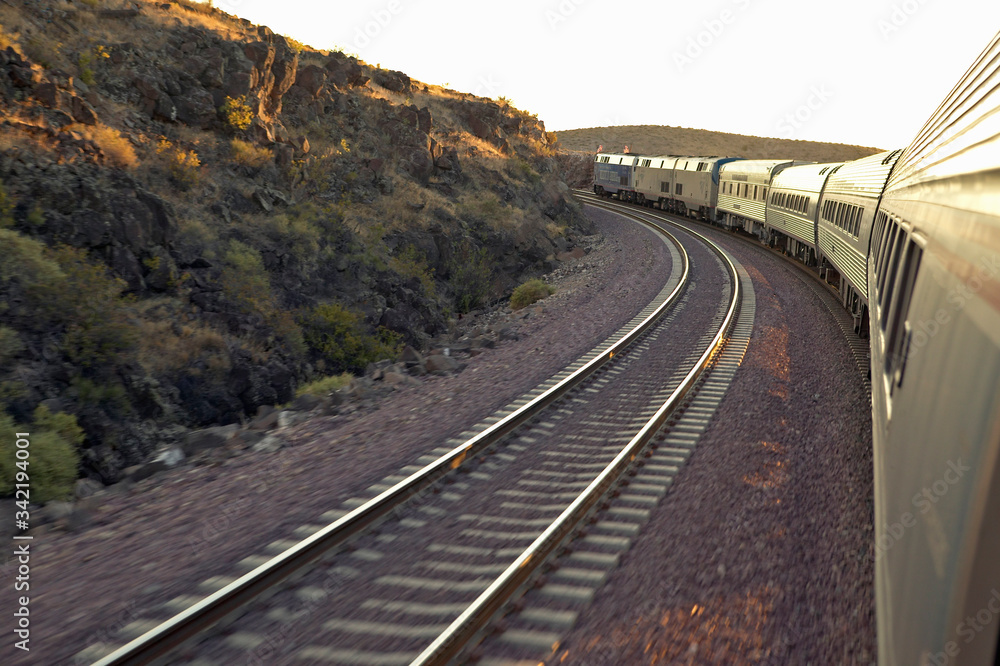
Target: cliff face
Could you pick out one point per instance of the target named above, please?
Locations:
(197, 215)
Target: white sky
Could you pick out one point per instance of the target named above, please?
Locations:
(866, 72)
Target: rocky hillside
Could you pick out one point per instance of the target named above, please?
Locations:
(199, 216)
(578, 146)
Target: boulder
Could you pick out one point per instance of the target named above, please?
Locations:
(424, 121)
(411, 356)
(165, 109)
(196, 108)
(269, 444)
(267, 418)
(83, 112)
(261, 54)
(311, 79)
(392, 80)
(49, 95)
(439, 364)
(148, 87)
(84, 488)
(307, 402)
(345, 73)
(209, 438)
(286, 63)
(479, 128)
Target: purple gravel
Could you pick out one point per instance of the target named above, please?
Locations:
(165, 535)
(762, 551)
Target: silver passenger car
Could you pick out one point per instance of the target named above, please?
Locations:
(934, 284)
(743, 188)
(793, 206)
(847, 210)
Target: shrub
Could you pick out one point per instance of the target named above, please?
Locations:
(88, 303)
(530, 292)
(473, 277)
(190, 349)
(117, 148)
(488, 209)
(10, 345)
(52, 465)
(339, 337)
(183, 165)
(244, 279)
(249, 155)
(86, 71)
(6, 208)
(36, 216)
(237, 112)
(411, 263)
(325, 385)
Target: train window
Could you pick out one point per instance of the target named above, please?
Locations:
(755, 192)
(763, 196)
(892, 267)
(899, 330)
(883, 234)
(805, 209)
(883, 266)
(678, 188)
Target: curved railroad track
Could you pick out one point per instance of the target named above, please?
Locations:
(415, 574)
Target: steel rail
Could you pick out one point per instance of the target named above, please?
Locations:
(161, 640)
(453, 640)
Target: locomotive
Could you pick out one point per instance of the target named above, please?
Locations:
(911, 238)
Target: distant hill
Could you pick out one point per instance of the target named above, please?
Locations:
(666, 140)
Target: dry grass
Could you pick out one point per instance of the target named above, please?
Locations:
(665, 140)
(249, 155)
(116, 148)
(169, 344)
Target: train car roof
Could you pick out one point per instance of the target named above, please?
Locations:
(618, 158)
(757, 166)
(962, 136)
(805, 176)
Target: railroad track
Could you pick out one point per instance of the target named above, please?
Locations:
(859, 346)
(414, 574)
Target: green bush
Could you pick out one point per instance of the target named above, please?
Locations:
(52, 462)
(6, 208)
(244, 279)
(89, 304)
(341, 340)
(10, 345)
(473, 277)
(411, 263)
(530, 292)
(325, 385)
(25, 260)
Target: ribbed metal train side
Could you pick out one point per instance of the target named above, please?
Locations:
(844, 226)
(743, 188)
(934, 288)
(793, 204)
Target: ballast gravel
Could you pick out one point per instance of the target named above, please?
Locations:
(762, 551)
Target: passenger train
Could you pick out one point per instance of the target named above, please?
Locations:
(912, 240)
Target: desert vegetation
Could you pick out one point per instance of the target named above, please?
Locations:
(200, 217)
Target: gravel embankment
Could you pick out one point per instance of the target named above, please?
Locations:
(160, 538)
(762, 551)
